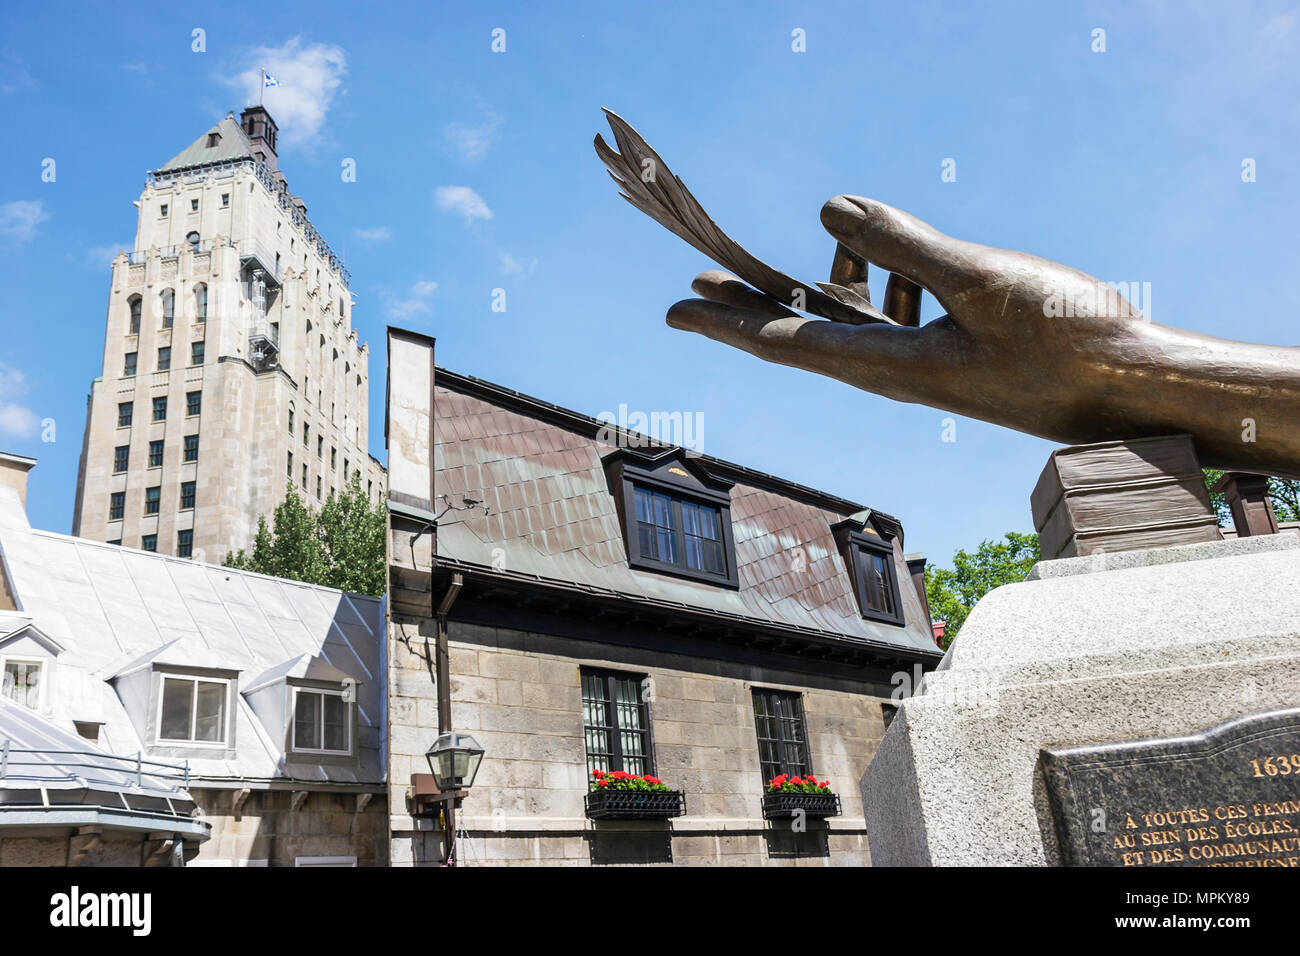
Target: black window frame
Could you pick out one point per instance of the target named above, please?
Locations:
(164, 358)
(190, 448)
(147, 540)
(125, 414)
(130, 363)
(798, 764)
(193, 404)
(156, 451)
(672, 476)
(153, 500)
(159, 403)
(121, 459)
(859, 543)
(197, 354)
(614, 757)
(189, 491)
(185, 543)
(116, 505)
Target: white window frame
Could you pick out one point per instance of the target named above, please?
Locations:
(293, 718)
(325, 861)
(43, 691)
(161, 741)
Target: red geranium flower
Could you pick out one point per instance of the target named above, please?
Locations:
(598, 774)
(650, 779)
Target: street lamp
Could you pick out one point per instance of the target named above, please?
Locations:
(454, 759)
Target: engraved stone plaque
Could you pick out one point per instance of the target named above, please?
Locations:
(1228, 796)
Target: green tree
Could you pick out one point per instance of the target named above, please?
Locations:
(952, 592)
(352, 531)
(342, 546)
(1284, 493)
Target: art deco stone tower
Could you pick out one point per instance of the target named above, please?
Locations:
(230, 362)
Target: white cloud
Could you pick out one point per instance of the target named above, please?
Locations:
(19, 219)
(136, 67)
(471, 143)
(374, 234)
(16, 420)
(512, 265)
(416, 303)
(309, 75)
(103, 256)
(463, 201)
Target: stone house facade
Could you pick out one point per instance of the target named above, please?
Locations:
(742, 627)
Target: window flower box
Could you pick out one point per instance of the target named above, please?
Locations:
(787, 795)
(623, 796)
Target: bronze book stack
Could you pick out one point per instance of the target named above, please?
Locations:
(1121, 496)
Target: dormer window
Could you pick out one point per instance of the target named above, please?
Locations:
(23, 681)
(192, 710)
(214, 140)
(867, 546)
(322, 721)
(676, 515)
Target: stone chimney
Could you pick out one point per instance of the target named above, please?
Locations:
(261, 131)
(13, 473)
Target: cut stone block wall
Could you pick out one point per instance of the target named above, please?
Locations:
(519, 694)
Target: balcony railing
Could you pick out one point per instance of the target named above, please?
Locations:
(91, 768)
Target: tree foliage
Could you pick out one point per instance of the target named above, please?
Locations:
(952, 592)
(341, 546)
(1284, 493)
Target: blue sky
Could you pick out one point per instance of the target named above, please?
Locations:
(475, 172)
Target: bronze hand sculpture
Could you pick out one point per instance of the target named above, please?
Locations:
(1003, 353)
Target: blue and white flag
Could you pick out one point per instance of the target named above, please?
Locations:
(269, 80)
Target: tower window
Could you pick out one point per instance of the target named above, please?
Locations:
(290, 421)
(152, 499)
(194, 205)
(187, 495)
(225, 199)
(185, 543)
(162, 210)
(165, 358)
(191, 448)
(168, 308)
(289, 468)
(149, 542)
(116, 505)
(135, 303)
(160, 408)
(193, 403)
(196, 353)
(214, 139)
(121, 458)
(200, 301)
(128, 366)
(155, 454)
(125, 413)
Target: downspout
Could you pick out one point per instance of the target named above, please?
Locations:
(443, 663)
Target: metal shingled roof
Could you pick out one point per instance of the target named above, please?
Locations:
(111, 606)
(233, 145)
(551, 516)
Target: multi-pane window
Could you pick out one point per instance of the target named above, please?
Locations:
(121, 458)
(125, 413)
(165, 358)
(160, 409)
(149, 542)
(22, 682)
(874, 578)
(187, 495)
(191, 448)
(675, 531)
(128, 364)
(136, 305)
(192, 710)
(782, 743)
(193, 403)
(152, 499)
(155, 454)
(201, 302)
(615, 722)
(321, 722)
(196, 353)
(116, 505)
(878, 593)
(185, 543)
(168, 308)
